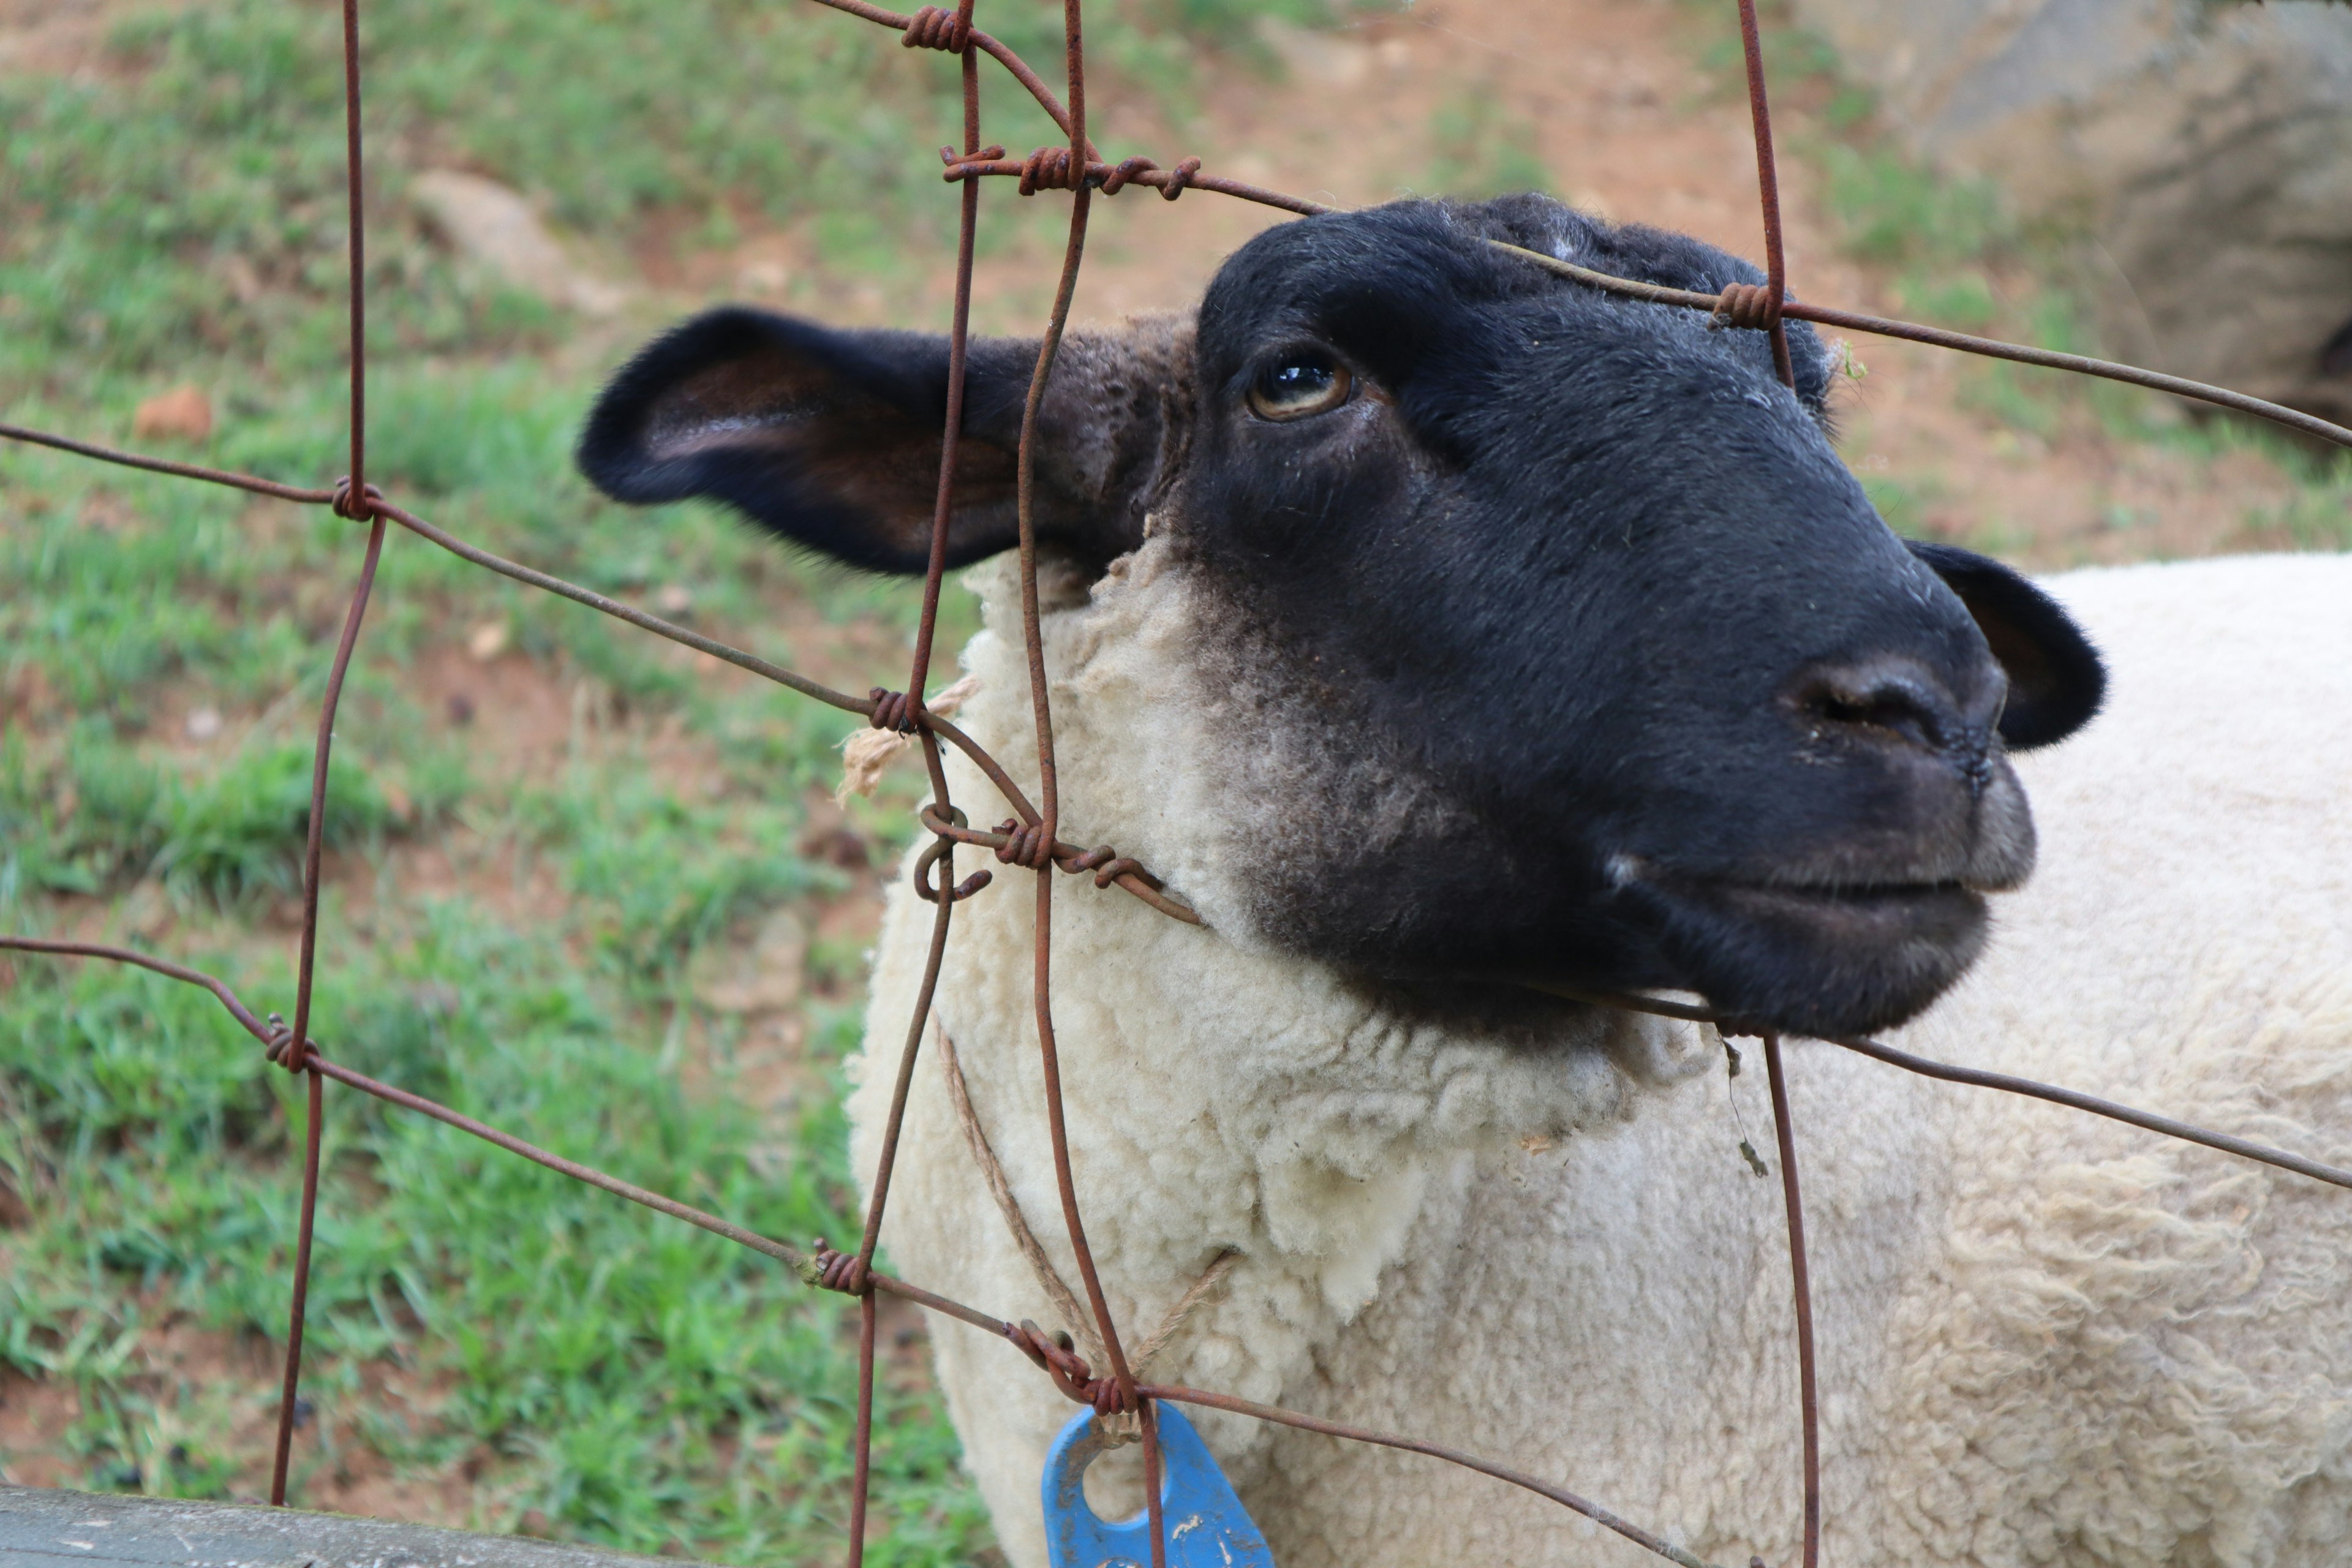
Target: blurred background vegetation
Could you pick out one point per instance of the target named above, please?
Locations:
(583, 884)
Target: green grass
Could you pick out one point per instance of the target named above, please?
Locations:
(193, 196)
(633, 1381)
(179, 216)
(625, 1380)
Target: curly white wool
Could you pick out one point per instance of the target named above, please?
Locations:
(2044, 1338)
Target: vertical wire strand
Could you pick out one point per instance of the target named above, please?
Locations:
(1048, 785)
(298, 1042)
(862, 1453)
(355, 504)
(1048, 790)
(1801, 1282)
(358, 255)
(312, 1134)
(1154, 1505)
(1049, 795)
(1767, 188)
(958, 343)
(912, 1050)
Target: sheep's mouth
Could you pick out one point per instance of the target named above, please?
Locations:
(1848, 904)
(1818, 958)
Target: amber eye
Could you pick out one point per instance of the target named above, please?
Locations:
(1299, 383)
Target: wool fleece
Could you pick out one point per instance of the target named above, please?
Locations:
(2045, 1337)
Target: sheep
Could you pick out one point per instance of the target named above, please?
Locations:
(1431, 626)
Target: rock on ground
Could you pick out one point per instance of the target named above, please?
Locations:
(494, 227)
(2206, 146)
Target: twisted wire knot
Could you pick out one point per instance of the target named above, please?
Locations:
(1178, 177)
(359, 508)
(955, 159)
(1108, 865)
(280, 1048)
(1070, 1372)
(1050, 169)
(1118, 179)
(1750, 306)
(892, 709)
(933, 28)
(839, 1271)
(1026, 844)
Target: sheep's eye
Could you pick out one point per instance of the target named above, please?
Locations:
(1299, 384)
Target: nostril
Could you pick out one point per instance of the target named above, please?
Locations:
(1887, 701)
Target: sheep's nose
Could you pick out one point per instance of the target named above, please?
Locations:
(1895, 701)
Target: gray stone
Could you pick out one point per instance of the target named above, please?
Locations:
(494, 227)
(45, 1529)
(2204, 149)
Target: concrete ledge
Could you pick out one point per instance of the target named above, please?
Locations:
(44, 1529)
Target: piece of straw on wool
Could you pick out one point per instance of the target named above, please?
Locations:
(868, 754)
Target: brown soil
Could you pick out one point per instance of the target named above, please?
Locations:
(219, 1391)
(1609, 98)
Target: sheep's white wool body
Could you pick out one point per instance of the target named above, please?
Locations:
(2044, 1338)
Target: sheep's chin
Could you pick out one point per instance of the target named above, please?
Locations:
(1821, 961)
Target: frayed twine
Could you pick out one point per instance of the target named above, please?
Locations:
(868, 754)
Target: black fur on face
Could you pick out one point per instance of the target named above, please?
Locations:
(1571, 652)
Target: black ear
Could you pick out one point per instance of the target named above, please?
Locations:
(2056, 680)
(831, 438)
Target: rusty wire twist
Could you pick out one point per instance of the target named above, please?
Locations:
(932, 28)
(899, 710)
(1029, 838)
(1051, 169)
(1752, 306)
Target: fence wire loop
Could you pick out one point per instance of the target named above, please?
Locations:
(361, 508)
(933, 28)
(1029, 838)
(836, 1270)
(279, 1048)
(1108, 865)
(1752, 306)
(1178, 177)
(1024, 844)
(1051, 169)
(899, 710)
(1124, 171)
(1072, 1373)
(933, 853)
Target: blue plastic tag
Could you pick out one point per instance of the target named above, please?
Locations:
(1207, 1527)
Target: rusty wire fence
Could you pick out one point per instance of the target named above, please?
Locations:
(1031, 840)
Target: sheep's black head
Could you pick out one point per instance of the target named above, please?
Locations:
(1588, 661)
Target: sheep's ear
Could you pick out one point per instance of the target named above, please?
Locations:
(2056, 680)
(831, 438)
